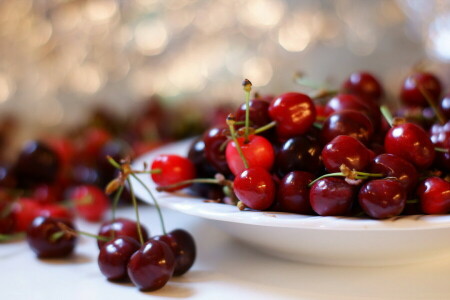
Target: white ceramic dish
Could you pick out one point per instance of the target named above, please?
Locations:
(314, 239)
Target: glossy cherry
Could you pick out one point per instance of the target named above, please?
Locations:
(332, 196)
(214, 139)
(299, 154)
(25, 210)
(434, 194)
(346, 150)
(46, 237)
(90, 202)
(151, 266)
(382, 198)
(255, 188)
(196, 155)
(347, 122)
(440, 136)
(172, 169)
(363, 84)
(411, 93)
(183, 246)
(259, 113)
(294, 114)
(293, 192)
(258, 151)
(412, 143)
(120, 227)
(114, 256)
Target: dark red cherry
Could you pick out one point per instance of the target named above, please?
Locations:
(299, 154)
(259, 113)
(151, 266)
(346, 150)
(183, 246)
(363, 84)
(434, 194)
(120, 227)
(114, 256)
(293, 192)
(444, 105)
(172, 169)
(391, 165)
(255, 188)
(440, 136)
(382, 198)
(196, 155)
(46, 237)
(37, 164)
(258, 151)
(214, 139)
(294, 114)
(347, 122)
(332, 196)
(90, 202)
(411, 94)
(115, 148)
(412, 143)
(45, 193)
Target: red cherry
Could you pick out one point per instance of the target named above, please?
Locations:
(46, 193)
(434, 193)
(255, 188)
(214, 138)
(173, 169)
(258, 151)
(55, 211)
(293, 192)
(91, 203)
(346, 150)
(25, 210)
(411, 93)
(412, 143)
(120, 227)
(382, 198)
(294, 114)
(331, 196)
(363, 84)
(94, 139)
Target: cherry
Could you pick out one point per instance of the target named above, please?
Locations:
(255, 188)
(82, 173)
(55, 210)
(93, 140)
(183, 246)
(151, 266)
(196, 155)
(259, 113)
(444, 106)
(414, 87)
(348, 151)
(294, 113)
(36, 164)
(434, 194)
(258, 151)
(347, 122)
(440, 136)
(45, 193)
(382, 198)
(172, 169)
(412, 143)
(293, 192)
(391, 165)
(47, 238)
(299, 153)
(64, 148)
(115, 148)
(214, 139)
(331, 196)
(90, 202)
(25, 210)
(364, 85)
(120, 227)
(114, 256)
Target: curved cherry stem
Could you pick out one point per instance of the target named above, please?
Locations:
(247, 88)
(357, 175)
(116, 201)
(190, 181)
(439, 115)
(136, 210)
(266, 127)
(230, 123)
(67, 230)
(155, 202)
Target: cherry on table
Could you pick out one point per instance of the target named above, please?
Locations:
(47, 238)
(172, 169)
(332, 196)
(434, 194)
(120, 227)
(255, 188)
(151, 266)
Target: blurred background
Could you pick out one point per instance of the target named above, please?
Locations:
(60, 59)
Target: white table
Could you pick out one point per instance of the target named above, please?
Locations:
(224, 269)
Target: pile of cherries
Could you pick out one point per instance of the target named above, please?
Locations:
(333, 153)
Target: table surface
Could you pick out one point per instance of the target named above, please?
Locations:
(224, 269)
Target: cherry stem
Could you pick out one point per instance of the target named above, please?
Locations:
(116, 201)
(387, 114)
(443, 150)
(158, 209)
(359, 175)
(10, 237)
(230, 122)
(266, 127)
(433, 105)
(190, 181)
(67, 230)
(412, 201)
(318, 125)
(322, 93)
(247, 88)
(136, 210)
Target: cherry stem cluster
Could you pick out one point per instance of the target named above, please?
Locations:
(230, 122)
(346, 172)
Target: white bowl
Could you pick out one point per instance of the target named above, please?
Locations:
(314, 239)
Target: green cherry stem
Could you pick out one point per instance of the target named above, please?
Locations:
(266, 127)
(247, 88)
(433, 105)
(387, 114)
(116, 201)
(136, 210)
(190, 181)
(67, 230)
(230, 123)
(11, 237)
(440, 149)
(158, 209)
(358, 175)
